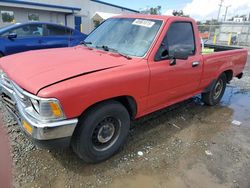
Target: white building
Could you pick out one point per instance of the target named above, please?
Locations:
(239, 30)
(238, 19)
(83, 15)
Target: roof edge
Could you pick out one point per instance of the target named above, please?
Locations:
(41, 4)
(117, 6)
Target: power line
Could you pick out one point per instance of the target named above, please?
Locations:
(225, 16)
(220, 5)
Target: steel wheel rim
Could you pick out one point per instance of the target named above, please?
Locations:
(218, 89)
(106, 133)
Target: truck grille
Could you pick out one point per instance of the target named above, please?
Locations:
(10, 105)
(8, 101)
(22, 99)
(11, 100)
(6, 81)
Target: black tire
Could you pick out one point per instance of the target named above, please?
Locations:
(1, 55)
(214, 96)
(108, 120)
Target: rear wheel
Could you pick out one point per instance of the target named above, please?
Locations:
(214, 96)
(101, 132)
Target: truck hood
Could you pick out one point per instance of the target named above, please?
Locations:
(35, 70)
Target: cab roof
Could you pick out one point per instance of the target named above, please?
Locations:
(154, 17)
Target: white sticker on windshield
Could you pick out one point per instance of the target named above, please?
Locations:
(144, 23)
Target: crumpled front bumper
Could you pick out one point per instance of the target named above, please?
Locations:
(39, 131)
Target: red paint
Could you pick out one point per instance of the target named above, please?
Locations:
(153, 85)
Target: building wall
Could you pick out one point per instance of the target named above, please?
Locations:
(88, 10)
(21, 15)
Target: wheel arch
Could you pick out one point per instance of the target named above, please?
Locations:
(229, 74)
(227, 69)
(127, 101)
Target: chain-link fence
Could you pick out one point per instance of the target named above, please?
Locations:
(237, 34)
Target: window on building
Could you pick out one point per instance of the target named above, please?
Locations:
(8, 16)
(54, 30)
(33, 17)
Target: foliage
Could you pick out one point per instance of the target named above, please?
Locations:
(7, 16)
(179, 13)
(152, 10)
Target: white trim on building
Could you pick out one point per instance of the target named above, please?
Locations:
(103, 15)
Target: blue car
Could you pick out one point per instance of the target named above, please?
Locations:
(37, 35)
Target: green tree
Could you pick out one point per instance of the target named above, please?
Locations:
(7, 17)
(179, 13)
(152, 10)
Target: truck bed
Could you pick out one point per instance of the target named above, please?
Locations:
(222, 58)
(219, 48)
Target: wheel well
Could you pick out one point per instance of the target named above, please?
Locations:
(127, 101)
(229, 75)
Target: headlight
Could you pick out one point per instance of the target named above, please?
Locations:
(42, 109)
(47, 109)
(50, 109)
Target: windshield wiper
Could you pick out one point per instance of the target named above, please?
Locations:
(106, 48)
(85, 43)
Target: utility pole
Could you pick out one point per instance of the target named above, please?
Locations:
(220, 5)
(225, 16)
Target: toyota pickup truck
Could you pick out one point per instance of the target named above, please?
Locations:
(130, 66)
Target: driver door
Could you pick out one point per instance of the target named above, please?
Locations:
(171, 82)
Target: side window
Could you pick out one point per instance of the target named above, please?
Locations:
(27, 31)
(54, 30)
(180, 37)
(36, 29)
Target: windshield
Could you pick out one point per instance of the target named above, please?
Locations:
(129, 36)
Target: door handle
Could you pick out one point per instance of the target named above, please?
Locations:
(195, 64)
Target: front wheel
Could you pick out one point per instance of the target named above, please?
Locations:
(213, 97)
(101, 132)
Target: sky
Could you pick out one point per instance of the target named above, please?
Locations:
(197, 9)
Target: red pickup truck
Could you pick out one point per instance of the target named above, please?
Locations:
(128, 67)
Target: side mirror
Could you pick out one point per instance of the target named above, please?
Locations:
(183, 55)
(164, 54)
(12, 36)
